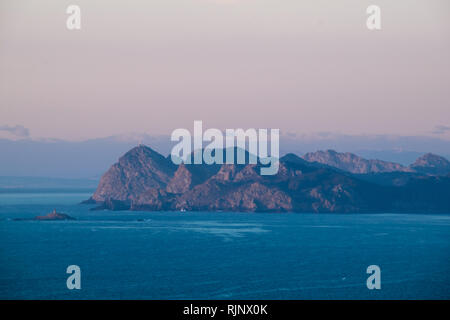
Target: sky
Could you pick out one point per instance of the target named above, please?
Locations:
(304, 67)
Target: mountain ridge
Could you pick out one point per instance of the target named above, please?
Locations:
(143, 179)
(428, 163)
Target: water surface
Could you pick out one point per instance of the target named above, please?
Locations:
(204, 255)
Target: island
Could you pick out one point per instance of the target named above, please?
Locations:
(324, 182)
(50, 217)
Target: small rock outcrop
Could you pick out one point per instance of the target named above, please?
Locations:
(54, 216)
(49, 217)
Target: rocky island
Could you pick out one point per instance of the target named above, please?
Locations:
(143, 179)
(54, 216)
(49, 217)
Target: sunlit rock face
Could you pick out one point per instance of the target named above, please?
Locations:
(143, 179)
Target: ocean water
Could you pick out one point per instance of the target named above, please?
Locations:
(205, 255)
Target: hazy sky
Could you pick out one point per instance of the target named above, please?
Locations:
(156, 65)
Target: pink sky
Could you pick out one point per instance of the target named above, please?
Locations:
(154, 66)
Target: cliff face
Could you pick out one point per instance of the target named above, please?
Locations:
(145, 180)
(352, 163)
(431, 164)
(138, 172)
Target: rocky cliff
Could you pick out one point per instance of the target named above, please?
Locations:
(145, 180)
(138, 172)
(431, 164)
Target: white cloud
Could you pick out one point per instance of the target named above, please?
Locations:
(18, 130)
(441, 129)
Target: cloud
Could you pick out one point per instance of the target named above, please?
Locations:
(441, 129)
(18, 130)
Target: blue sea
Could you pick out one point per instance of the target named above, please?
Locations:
(206, 255)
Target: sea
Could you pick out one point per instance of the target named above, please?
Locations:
(216, 255)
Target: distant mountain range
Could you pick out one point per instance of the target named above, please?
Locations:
(427, 164)
(325, 181)
(352, 163)
(91, 158)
